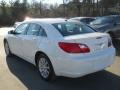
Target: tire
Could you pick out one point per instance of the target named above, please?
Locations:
(7, 49)
(45, 68)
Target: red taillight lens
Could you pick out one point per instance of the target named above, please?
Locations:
(74, 47)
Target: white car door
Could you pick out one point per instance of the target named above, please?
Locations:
(15, 40)
(31, 41)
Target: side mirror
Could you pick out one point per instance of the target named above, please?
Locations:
(11, 32)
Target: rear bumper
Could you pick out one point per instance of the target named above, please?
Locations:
(82, 65)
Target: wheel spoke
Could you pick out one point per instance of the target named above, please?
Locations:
(44, 67)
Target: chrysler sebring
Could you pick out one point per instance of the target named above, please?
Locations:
(59, 47)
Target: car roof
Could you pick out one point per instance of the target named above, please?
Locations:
(46, 20)
(50, 20)
(110, 16)
(81, 17)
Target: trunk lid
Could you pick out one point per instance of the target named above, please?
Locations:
(95, 41)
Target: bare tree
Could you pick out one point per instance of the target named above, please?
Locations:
(3, 7)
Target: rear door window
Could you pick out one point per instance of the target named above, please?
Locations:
(33, 29)
(37, 30)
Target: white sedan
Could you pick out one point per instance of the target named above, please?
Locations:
(59, 47)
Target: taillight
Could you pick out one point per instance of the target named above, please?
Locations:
(109, 42)
(74, 47)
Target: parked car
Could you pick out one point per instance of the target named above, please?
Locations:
(59, 47)
(108, 24)
(85, 20)
(17, 24)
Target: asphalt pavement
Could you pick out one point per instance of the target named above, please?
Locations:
(17, 74)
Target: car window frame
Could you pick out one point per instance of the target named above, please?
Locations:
(74, 34)
(24, 31)
(39, 30)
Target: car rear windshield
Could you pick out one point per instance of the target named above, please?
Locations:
(102, 20)
(70, 28)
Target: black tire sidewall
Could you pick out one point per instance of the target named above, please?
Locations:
(8, 48)
(51, 71)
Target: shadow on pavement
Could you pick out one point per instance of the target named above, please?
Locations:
(29, 76)
(116, 44)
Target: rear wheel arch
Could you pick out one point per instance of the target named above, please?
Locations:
(52, 74)
(37, 55)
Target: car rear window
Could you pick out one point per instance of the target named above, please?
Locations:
(70, 28)
(102, 20)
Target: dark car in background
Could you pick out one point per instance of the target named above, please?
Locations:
(85, 20)
(109, 24)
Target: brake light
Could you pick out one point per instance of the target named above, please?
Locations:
(74, 47)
